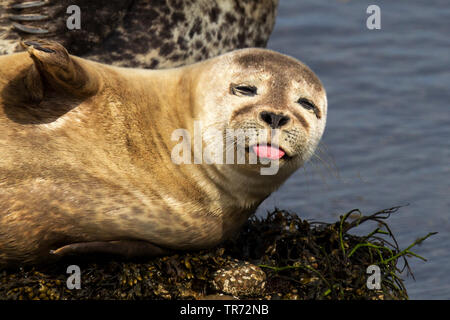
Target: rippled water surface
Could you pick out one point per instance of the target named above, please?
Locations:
(388, 127)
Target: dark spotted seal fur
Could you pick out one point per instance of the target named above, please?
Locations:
(144, 33)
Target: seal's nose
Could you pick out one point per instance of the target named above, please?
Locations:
(274, 120)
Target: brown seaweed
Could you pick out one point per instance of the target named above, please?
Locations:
(277, 257)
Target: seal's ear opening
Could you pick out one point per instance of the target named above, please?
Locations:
(54, 69)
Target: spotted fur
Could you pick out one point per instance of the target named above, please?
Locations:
(147, 33)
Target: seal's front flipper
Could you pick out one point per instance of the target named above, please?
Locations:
(54, 69)
(122, 248)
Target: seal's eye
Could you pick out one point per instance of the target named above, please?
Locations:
(308, 105)
(243, 90)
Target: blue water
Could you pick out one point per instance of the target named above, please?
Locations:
(388, 126)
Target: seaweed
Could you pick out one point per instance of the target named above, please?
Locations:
(277, 257)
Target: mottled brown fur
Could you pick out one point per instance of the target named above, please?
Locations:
(147, 33)
(86, 151)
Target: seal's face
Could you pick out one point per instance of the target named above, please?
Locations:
(277, 100)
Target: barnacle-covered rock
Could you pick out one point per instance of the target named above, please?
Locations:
(240, 278)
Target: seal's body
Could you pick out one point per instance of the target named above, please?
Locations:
(86, 149)
(152, 34)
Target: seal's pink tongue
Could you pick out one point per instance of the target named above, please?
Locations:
(268, 152)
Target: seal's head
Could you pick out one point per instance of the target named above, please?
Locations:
(259, 90)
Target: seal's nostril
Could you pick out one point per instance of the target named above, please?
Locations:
(266, 117)
(283, 120)
(274, 120)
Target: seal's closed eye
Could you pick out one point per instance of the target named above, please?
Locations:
(308, 105)
(243, 90)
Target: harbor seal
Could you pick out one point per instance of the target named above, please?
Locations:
(152, 34)
(87, 150)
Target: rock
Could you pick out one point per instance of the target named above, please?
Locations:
(240, 278)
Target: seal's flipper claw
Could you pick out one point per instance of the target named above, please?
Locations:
(30, 30)
(123, 248)
(28, 17)
(39, 51)
(61, 71)
(28, 4)
(36, 45)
